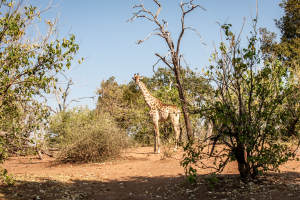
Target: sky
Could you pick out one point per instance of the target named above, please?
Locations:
(108, 42)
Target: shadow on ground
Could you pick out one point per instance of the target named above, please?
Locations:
(272, 186)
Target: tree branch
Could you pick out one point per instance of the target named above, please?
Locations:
(198, 35)
(182, 20)
(165, 61)
(159, 34)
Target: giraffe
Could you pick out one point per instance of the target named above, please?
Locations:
(159, 112)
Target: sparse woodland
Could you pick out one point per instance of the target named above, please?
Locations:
(246, 100)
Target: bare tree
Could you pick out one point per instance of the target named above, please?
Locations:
(61, 97)
(172, 58)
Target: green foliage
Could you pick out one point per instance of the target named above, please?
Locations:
(289, 25)
(125, 104)
(212, 180)
(29, 66)
(248, 110)
(196, 87)
(116, 100)
(5, 177)
(189, 161)
(84, 136)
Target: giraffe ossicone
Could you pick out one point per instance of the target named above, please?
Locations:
(159, 112)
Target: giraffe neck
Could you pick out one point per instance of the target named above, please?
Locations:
(147, 95)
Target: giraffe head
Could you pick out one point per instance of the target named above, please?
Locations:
(137, 78)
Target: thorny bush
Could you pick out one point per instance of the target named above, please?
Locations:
(84, 136)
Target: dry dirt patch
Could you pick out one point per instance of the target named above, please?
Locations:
(139, 174)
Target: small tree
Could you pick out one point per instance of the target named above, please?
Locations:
(173, 57)
(29, 68)
(248, 110)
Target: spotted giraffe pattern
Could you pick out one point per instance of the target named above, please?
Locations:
(159, 112)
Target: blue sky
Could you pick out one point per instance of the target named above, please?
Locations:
(108, 41)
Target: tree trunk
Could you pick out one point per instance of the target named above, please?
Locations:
(243, 166)
(187, 122)
(184, 105)
(180, 135)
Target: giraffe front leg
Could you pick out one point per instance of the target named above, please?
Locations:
(154, 117)
(157, 140)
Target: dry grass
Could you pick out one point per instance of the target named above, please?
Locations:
(168, 150)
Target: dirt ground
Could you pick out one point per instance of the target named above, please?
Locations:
(139, 174)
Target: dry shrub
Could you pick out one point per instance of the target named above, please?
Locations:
(84, 136)
(168, 150)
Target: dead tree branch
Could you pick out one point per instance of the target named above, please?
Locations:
(61, 98)
(174, 62)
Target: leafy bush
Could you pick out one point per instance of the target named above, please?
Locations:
(212, 180)
(84, 136)
(255, 108)
(5, 177)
